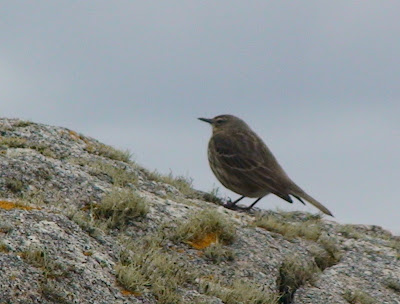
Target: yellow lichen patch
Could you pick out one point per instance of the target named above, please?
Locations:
(204, 242)
(6, 205)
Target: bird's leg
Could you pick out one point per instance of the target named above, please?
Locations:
(251, 206)
(232, 205)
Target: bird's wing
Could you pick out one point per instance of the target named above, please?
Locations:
(246, 155)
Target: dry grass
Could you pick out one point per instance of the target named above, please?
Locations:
(212, 196)
(238, 292)
(358, 297)
(121, 206)
(38, 257)
(325, 253)
(14, 185)
(4, 247)
(118, 176)
(309, 229)
(293, 273)
(54, 293)
(13, 142)
(183, 184)
(87, 223)
(109, 152)
(147, 268)
(218, 253)
(205, 228)
(17, 142)
(349, 231)
(393, 284)
(23, 124)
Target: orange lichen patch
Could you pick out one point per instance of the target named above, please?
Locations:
(89, 207)
(179, 250)
(74, 135)
(6, 205)
(87, 253)
(128, 293)
(204, 242)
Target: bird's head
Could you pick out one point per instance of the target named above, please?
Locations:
(225, 122)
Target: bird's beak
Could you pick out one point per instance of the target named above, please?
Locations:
(209, 120)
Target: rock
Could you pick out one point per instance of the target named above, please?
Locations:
(61, 242)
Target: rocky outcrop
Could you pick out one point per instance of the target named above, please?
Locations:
(81, 223)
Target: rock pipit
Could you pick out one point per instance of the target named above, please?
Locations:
(243, 163)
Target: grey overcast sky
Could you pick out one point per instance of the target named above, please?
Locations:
(319, 81)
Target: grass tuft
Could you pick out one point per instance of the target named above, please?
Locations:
(238, 292)
(109, 152)
(218, 253)
(16, 142)
(293, 273)
(54, 293)
(38, 257)
(13, 142)
(183, 184)
(4, 247)
(349, 231)
(118, 176)
(393, 284)
(145, 267)
(121, 206)
(205, 228)
(14, 185)
(213, 196)
(358, 297)
(309, 229)
(326, 253)
(23, 124)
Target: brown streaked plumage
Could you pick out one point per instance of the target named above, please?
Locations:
(243, 163)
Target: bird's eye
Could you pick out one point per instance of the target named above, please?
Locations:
(219, 121)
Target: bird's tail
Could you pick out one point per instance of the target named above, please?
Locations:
(298, 192)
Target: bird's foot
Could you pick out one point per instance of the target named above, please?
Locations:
(229, 204)
(233, 206)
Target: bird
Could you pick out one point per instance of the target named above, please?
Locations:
(243, 163)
